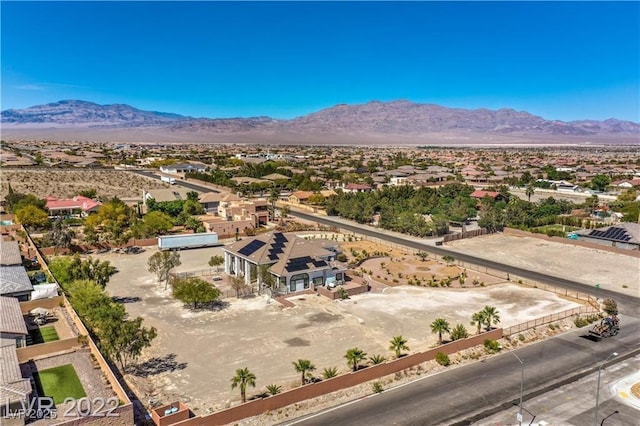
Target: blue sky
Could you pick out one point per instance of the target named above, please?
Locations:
(558, 60)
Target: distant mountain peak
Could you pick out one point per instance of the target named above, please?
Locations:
(397, 117)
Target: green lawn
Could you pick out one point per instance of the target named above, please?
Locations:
(43, 335)
(59, 383)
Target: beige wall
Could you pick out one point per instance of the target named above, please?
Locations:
(45, 349)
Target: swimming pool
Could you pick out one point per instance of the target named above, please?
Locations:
(6, 223)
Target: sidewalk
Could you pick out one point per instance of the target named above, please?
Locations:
(574, 404)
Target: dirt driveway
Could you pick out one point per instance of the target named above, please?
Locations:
(196, 353)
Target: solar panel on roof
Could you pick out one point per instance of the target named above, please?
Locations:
(251, 248)
(273, 257)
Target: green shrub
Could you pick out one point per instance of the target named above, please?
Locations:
(443, 359)
(521, 337)
(491, 346)
(377, 387)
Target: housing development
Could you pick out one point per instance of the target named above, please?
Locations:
(305, 277)
(319, 213)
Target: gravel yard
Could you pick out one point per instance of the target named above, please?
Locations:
(612, 271)
(196, 353)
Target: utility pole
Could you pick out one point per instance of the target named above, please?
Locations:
(519, 416)
(595, 416)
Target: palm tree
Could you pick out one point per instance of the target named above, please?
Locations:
(354, 356)
(477, 319)
(243, 378)
(491, 315)
(330, 372)
(398, 344)
(377, 359)
(302, 366)
(274, 389)
(440, 325)
(529, 191)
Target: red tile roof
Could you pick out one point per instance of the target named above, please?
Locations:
(77, 202)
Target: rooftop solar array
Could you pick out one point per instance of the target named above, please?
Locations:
(302, 264)
(612, 233)
(251, 248)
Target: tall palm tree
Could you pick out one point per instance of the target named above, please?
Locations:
(440, 325)
(477, 319)
(398, 344)
(354, 356)
(529, 191)
(491, 315)
(302, 366)
(243, 378)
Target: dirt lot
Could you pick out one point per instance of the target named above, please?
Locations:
(612, 271)
(67, 183)
(196, 353)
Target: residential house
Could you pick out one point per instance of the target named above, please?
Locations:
(235, 216)
(12, 326)
(357, 187)
(295, 263)
(626, 183)
(211, 200)
(166, 194)
(175, 169)
(14, 282)
(299, 197)
(480, 194)
(15, 390)
(624, 235)
(76, 206)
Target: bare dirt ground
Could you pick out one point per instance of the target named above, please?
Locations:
(612, 271)
(197, 352)
(67, 183)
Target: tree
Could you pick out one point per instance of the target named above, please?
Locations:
(89, 193)
(238, 284)
(125, 340)
(491, 315)
(303, 366)
(610, 306)
(242, 379)
(440, 325)
(216, 261)
(377, 359)
(459, 332)
(31, 216)
(477, 319)
(61, 235)
(274, 389)
(70, 268)
(600, 182)
(398, 344)
(529, 191)
(194, 290)
(354, 356)
(157, 223)
(161, 264)
(329, 372)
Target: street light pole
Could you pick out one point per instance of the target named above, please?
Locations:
(602, 422)
(521, 386)
(595, 417)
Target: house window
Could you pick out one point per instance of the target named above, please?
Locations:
(318, 281)
(339, 276)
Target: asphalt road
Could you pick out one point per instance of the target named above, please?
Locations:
(472, 392)
(188, 185)
(626, 304)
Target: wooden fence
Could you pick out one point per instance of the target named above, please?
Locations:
(466, 234)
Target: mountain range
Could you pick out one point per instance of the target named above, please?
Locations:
(402, 118)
